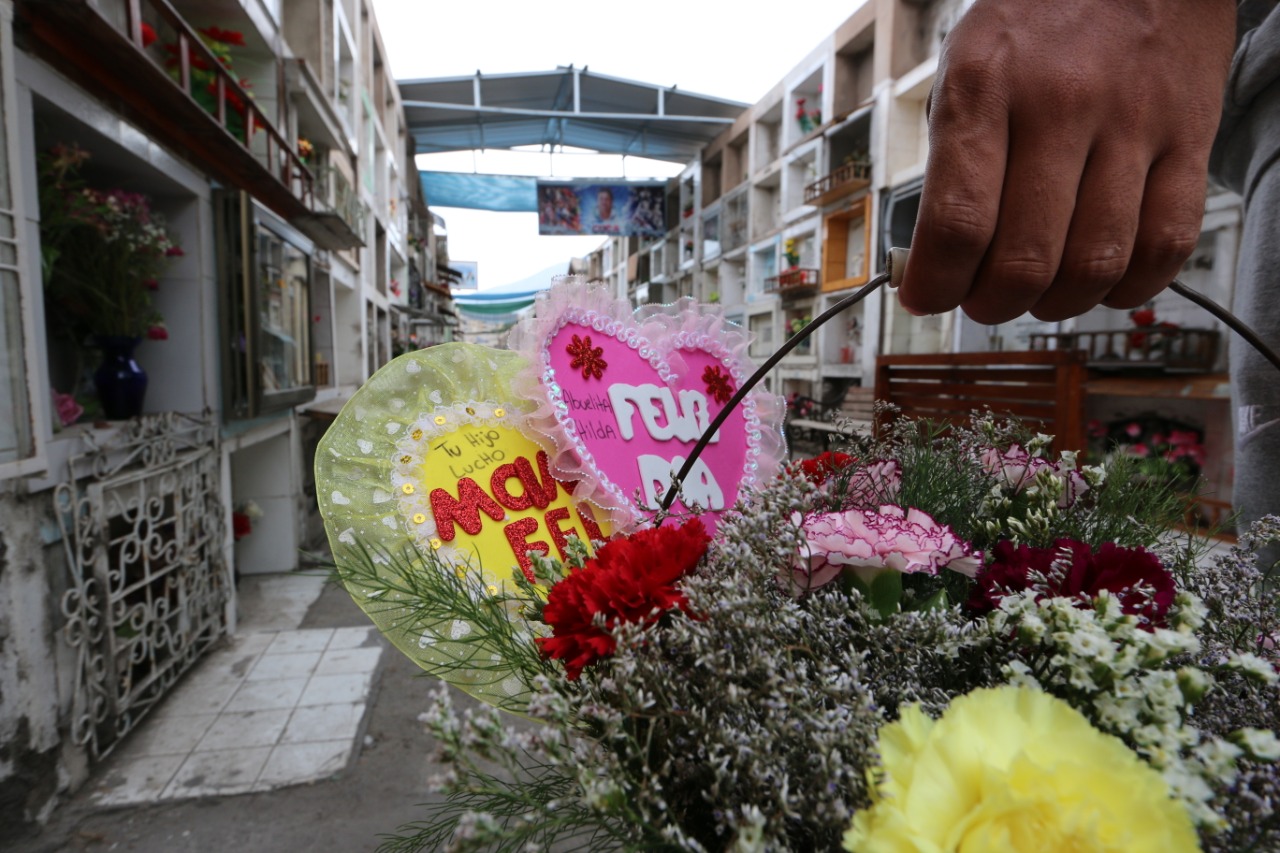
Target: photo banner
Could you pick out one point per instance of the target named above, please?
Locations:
(470, 274)
(618, 208)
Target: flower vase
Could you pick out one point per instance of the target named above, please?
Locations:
(120, 382)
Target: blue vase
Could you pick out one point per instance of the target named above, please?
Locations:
(120, 382)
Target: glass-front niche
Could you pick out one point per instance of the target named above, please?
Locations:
(266, 272)
(284, 344)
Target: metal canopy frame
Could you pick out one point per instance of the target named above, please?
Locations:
(567, 107)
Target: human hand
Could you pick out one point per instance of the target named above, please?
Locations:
(1068, 151)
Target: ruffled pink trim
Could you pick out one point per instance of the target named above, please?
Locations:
(660, 332)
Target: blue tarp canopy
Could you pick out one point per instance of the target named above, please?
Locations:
(505, 300)
(480, 192)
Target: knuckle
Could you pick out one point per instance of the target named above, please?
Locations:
(1170, 247)
(1024, 276)
(1094, 267)
(1071, 93)
(965, 84)
(957, 225)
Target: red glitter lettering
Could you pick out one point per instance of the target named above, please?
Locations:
(547, 487)
(594, 533)
(498, 485)
(517, 533)
(559, 535)
(464, 510)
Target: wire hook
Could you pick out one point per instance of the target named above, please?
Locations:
(895, 264)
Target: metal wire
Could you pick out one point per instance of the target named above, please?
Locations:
(899, 262)
(792, 342)
(1231, 320)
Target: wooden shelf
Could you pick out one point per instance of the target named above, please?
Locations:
(1201, 386)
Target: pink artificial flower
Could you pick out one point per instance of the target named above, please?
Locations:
(877, 483)
(870, 541)
(1074, 485)
(1133, 430)
(1140, 450)
(1016, 468)
(69, 411)
(174, 252)
(1183, 438)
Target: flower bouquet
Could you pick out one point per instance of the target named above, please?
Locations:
(102, 253)
(935, 640)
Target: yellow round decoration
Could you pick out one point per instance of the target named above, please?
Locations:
(473, 494)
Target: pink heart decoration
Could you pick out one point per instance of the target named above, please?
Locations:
(625, 397)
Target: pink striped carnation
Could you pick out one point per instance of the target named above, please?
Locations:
(1015, 469)
(870, 541)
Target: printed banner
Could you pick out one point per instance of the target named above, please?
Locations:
(618, 209)
(470, 271)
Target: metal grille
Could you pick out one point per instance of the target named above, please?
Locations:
(142, 520)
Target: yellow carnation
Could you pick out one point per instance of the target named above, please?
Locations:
(1014, 770)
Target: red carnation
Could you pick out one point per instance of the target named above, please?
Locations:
(231, 37)
(241, 525)
(1118, 570)
(628, 580)
(826, 465)
(1143, 316)
(158, 332)
(148, 34)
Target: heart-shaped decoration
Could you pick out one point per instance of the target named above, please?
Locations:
(625, 397)
(435, 456)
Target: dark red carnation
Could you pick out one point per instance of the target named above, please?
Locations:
(1118, 570)
(628, 580)
(241, 525)
(826, 465)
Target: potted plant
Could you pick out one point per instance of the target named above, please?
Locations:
(101, 254)
(791, 253)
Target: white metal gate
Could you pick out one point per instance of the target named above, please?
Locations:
(142, 520)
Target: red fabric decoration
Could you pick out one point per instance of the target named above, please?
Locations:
(586, 358)
(1115, 569)
(628, 580)
(719, 383)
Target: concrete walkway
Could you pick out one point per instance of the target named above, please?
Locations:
(300, 733)
(265, 711)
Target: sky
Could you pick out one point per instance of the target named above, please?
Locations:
(730, 51)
